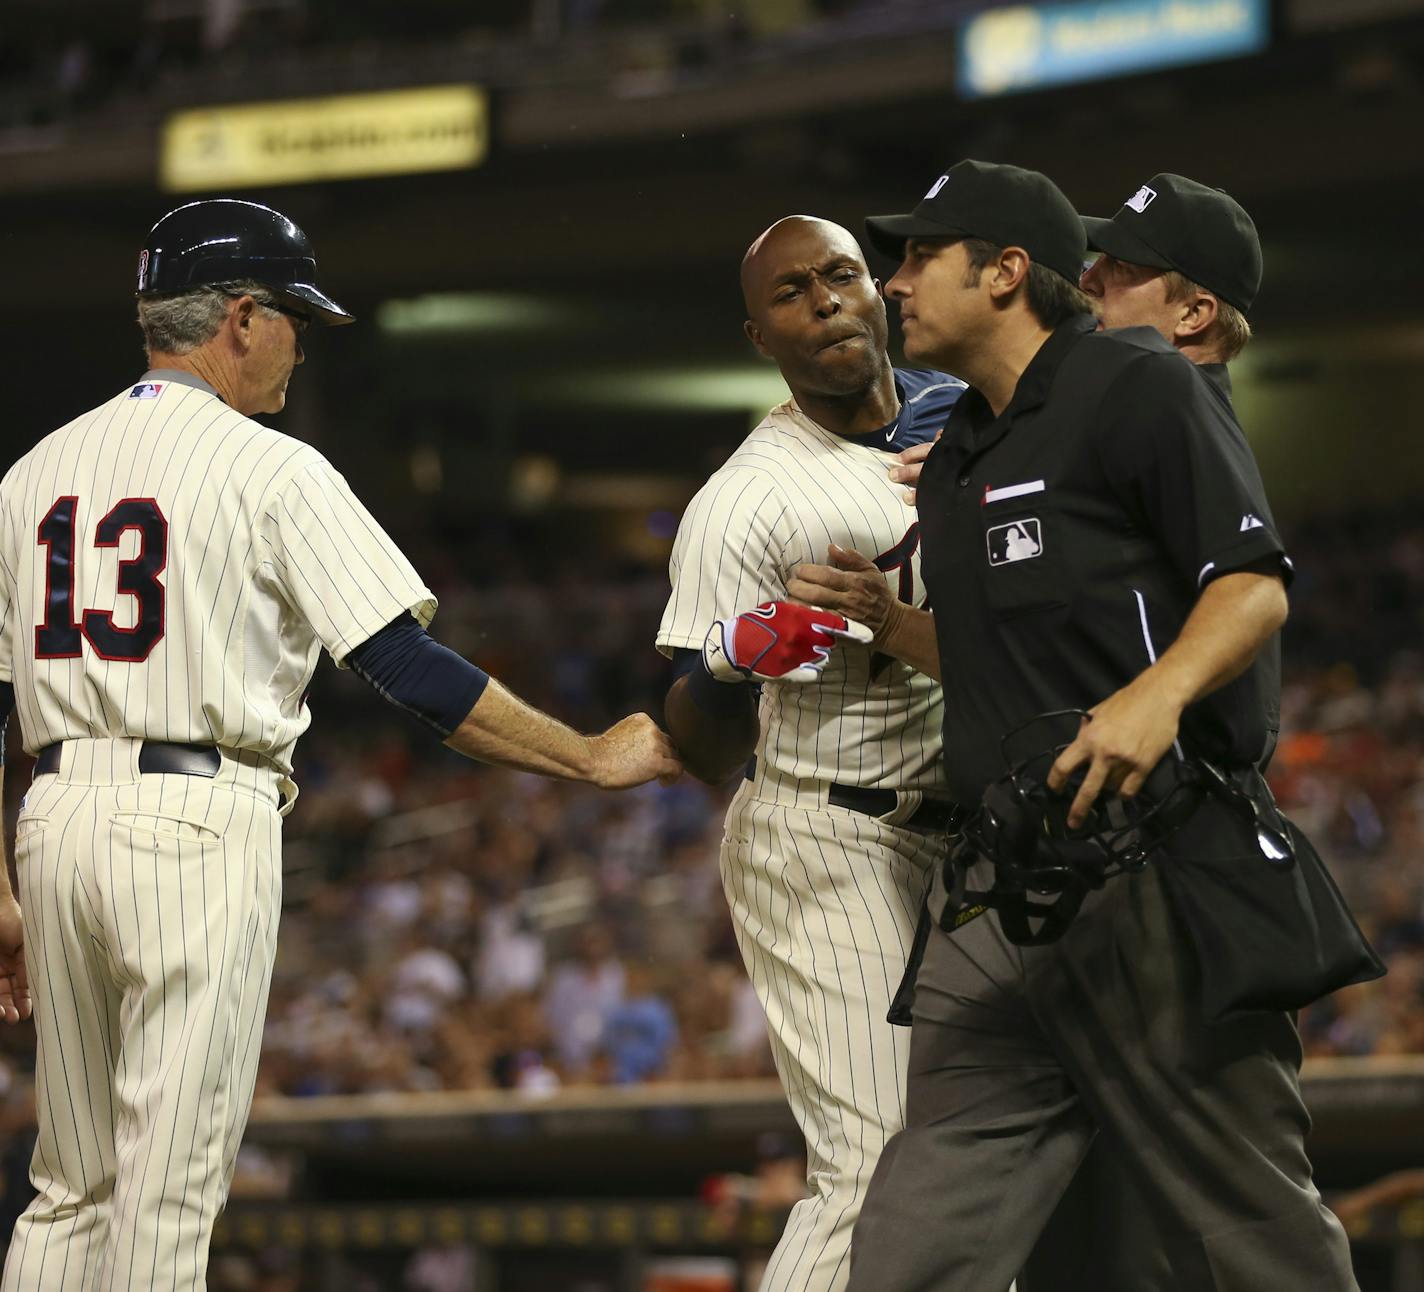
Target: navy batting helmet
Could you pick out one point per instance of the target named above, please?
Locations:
(225, 239)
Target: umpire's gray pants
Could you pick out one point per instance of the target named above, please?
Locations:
(1020, 1055)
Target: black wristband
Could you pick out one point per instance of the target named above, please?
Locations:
(720, 699)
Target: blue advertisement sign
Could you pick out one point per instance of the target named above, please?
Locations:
(1025, 47)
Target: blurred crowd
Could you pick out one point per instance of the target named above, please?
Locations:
(60, 61)
(1350, 766)
(508, 933)
(448, 926)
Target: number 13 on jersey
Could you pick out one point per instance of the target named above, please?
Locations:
(60, 633)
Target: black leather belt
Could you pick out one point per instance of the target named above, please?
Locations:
(932, 814)
(154, 758)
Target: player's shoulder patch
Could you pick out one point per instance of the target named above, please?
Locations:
(148, 390)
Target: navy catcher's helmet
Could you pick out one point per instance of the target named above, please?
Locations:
(224, 239)
(1020, 827)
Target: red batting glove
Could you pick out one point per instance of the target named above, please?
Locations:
(779, 641)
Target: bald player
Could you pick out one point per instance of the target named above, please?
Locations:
(841, 812)
(169, 572)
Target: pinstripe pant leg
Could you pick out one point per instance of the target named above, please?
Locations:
(58, 1242)
(257, 980)
(190, 889)
(824, 903)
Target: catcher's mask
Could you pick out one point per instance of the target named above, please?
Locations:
(1021, 828)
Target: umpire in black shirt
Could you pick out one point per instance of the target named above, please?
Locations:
(1095, 535)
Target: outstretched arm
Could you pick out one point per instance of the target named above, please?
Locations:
(501, 728)
(483, 720)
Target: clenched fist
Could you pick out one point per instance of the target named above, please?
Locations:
(633, 752)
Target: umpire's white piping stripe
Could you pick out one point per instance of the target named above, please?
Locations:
(1146, 632)
(1151, 649)
(1013, 490)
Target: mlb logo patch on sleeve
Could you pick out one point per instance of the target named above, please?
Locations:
(1019, 540)
(147, 390)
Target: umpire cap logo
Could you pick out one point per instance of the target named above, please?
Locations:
(935, 187)
(1019, 540)
(1142, 199)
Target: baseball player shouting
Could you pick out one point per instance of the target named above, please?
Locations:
(169, 572)
(829, 841)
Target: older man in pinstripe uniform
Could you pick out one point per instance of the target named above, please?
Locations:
(170, 571)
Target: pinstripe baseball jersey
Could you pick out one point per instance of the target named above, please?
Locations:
(170, 569)
(784, 496)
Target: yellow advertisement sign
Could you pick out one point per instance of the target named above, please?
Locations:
(350, 136)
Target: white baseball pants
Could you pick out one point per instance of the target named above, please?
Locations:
(825, 903)
(151, 905)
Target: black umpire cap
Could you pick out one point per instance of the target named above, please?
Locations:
(1175, 223)
(1005, 205)
(225, 239)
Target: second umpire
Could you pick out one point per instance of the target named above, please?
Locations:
(1185, 259)
(1094, 523)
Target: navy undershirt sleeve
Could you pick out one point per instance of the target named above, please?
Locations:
(684, 661)
(412, 670)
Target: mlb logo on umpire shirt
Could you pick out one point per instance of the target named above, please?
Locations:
(1019, 540)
